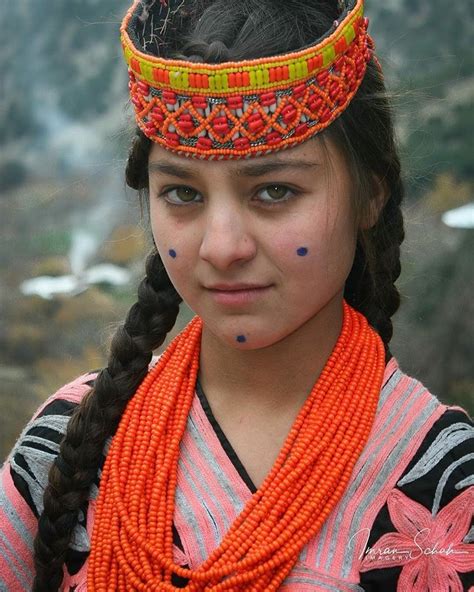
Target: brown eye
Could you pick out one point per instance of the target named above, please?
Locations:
(273, 194)
(186, 194)
(277, 191)
(181, 196)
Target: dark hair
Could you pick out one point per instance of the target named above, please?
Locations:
(216, 31)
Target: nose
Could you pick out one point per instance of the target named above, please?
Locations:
(227, 239)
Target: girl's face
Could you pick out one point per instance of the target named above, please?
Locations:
(255, 247)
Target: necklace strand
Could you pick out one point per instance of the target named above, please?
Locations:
(132, 541)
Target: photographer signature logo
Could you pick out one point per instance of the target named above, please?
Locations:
(422, 545)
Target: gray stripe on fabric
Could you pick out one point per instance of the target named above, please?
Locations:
(216, 468)
(314, 581)
(188, 513)
(387, 390)
(36, 489)
(444, 478)
(4, 543)
(11, 512)
(306, 575)
(445, 441)
(58, 423)
(29, 439)
(204, 485)
(368, 464)
(388, 466)
(211, 461)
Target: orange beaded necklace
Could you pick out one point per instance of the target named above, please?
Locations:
(132, 545)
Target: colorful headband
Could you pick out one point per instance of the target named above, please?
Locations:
(242, 109)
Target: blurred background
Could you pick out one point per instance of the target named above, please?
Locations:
(72, 238)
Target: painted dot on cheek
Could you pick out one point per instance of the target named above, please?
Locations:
(241, 338)
(302, 251)
(172, 253)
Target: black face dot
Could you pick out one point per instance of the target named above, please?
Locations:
(302, 251)
(241, 338)
(172, 253)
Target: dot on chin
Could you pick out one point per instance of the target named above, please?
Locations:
(241, 338)
(172, 253)
(302, 251)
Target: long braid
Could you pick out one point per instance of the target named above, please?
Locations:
(371, 287)
(97, 417)
(371, 149)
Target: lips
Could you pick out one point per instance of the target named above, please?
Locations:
(236, 287)
(237, 294)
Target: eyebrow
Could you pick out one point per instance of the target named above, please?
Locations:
(257, 169)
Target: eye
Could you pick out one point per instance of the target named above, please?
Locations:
(180, 195)
(272, 194)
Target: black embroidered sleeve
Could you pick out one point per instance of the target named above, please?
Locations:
(428, 520)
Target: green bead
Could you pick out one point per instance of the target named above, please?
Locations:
(329, 55)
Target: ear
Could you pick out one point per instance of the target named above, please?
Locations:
(377, 201)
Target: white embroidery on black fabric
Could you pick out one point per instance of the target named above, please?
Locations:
(444, 478)
(445, 441)
(469, 480)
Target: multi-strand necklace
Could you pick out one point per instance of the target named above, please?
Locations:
(132, 542)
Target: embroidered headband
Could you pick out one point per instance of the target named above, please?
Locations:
(242, 109)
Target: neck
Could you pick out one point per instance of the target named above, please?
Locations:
(275, 378)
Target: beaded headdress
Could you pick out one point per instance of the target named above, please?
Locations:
(240, 109)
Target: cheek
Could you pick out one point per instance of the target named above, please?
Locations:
(175, 252)
(317, 248)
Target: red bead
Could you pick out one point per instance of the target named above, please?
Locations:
(221, 126)
(301, 129)
(172, 139)
(137, 102)
(315, 103)
(268, 98)
(325, 116)
(144, 87)
(273, 138)
(204, 143)
(299, 91)
(169, 97)
(334, 90)
(242, 143)
(150, 128)
(157, 115)
(186, 124)
(199, 102)
(255, 123)
(235, 102)
(322, 77)
(289, 113)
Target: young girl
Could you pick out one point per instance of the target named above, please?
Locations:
(275, 444)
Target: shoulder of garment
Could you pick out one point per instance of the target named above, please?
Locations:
(422, 538)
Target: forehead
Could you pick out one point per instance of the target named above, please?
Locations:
(304, 158)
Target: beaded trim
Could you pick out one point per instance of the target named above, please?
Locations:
(250, 108)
